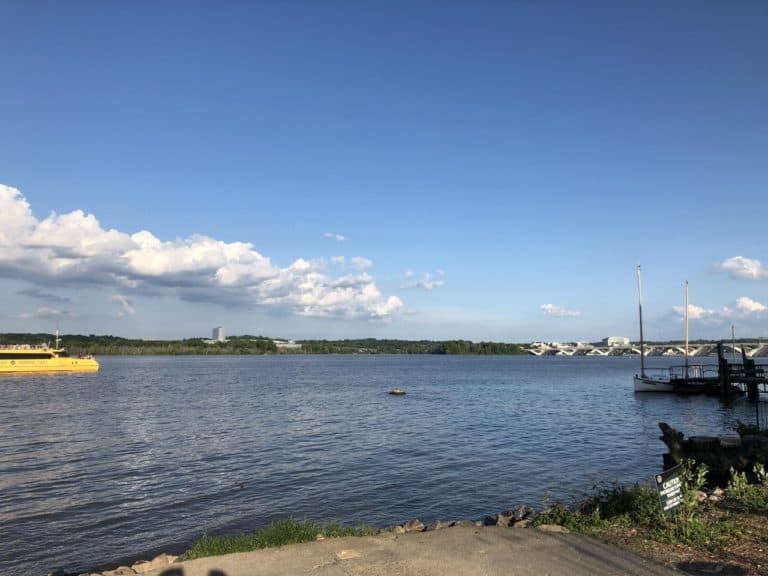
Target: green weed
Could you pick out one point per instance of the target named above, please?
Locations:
(749, 497)
(278, 533)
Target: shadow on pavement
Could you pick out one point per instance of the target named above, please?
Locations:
(180, 572)
(711, 568)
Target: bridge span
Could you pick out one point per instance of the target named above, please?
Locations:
(751, 349)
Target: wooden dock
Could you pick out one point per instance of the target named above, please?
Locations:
(746, 376)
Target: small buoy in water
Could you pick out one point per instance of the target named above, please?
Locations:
(397, 392)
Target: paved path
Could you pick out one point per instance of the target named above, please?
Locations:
(453, 551)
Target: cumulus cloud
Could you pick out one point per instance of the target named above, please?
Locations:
(334, 236)
(741, 268)
(360, 263)
(699, 313)
(743, 308)
(747, 305)
(426, 282)
(73, 249)
(559, 311)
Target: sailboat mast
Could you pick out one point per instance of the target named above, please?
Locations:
(640, 310)
(686, 328)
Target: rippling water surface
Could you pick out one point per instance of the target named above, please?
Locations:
(151, 452)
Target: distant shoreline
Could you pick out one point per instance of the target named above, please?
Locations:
(248, 345)
(260, 345)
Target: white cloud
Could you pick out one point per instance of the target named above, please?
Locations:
(741, 268)
(426, 282)
(699, 313)
(559, 311)
(127, 307)
(743, 308)
(73, 249)
(334, 236)
(747, 305)
(44, 312)
(338, 260)
(360, 263)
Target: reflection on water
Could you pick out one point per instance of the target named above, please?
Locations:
(144, 456)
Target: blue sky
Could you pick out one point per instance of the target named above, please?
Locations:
(486, 170)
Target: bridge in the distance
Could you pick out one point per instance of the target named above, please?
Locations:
(751, 349)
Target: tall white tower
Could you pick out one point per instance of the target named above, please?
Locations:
(218, 334)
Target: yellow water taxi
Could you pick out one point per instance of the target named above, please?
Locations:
(20, 358)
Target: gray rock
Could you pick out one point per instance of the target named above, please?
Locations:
(522, 523)
(490, 520)
(414, 525)
(120, 571)
(522, 512)
(436, 525)
(505, 519)
(717, 495)
(720, 455)
(156, 563)
(463, 523)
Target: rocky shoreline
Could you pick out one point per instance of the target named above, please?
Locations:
(518, 517)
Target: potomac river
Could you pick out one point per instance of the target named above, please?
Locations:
(149, 453)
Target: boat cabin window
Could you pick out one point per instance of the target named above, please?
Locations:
(36, 356)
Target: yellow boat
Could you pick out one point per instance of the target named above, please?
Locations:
(21, 358)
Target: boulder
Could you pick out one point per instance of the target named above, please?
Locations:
(158, 562)
(717, 494)
(490, 520)
(522, 512)
(436, 525)
(120, 571)
(720, 455)
(414, 525)
(505, 519)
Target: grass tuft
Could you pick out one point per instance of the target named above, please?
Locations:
(277, 533)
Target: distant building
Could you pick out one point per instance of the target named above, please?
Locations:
(286, 345)
(218, 334)
(616, 342)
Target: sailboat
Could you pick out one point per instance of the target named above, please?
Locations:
(686, 379)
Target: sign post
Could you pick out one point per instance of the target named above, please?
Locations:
(670, 487)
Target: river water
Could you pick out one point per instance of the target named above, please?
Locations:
(149, 453)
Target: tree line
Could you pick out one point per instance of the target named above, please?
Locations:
(246, 344)
(115, 345)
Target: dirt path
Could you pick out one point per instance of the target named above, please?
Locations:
(459, 550)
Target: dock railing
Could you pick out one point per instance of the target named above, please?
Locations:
(694, 372)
